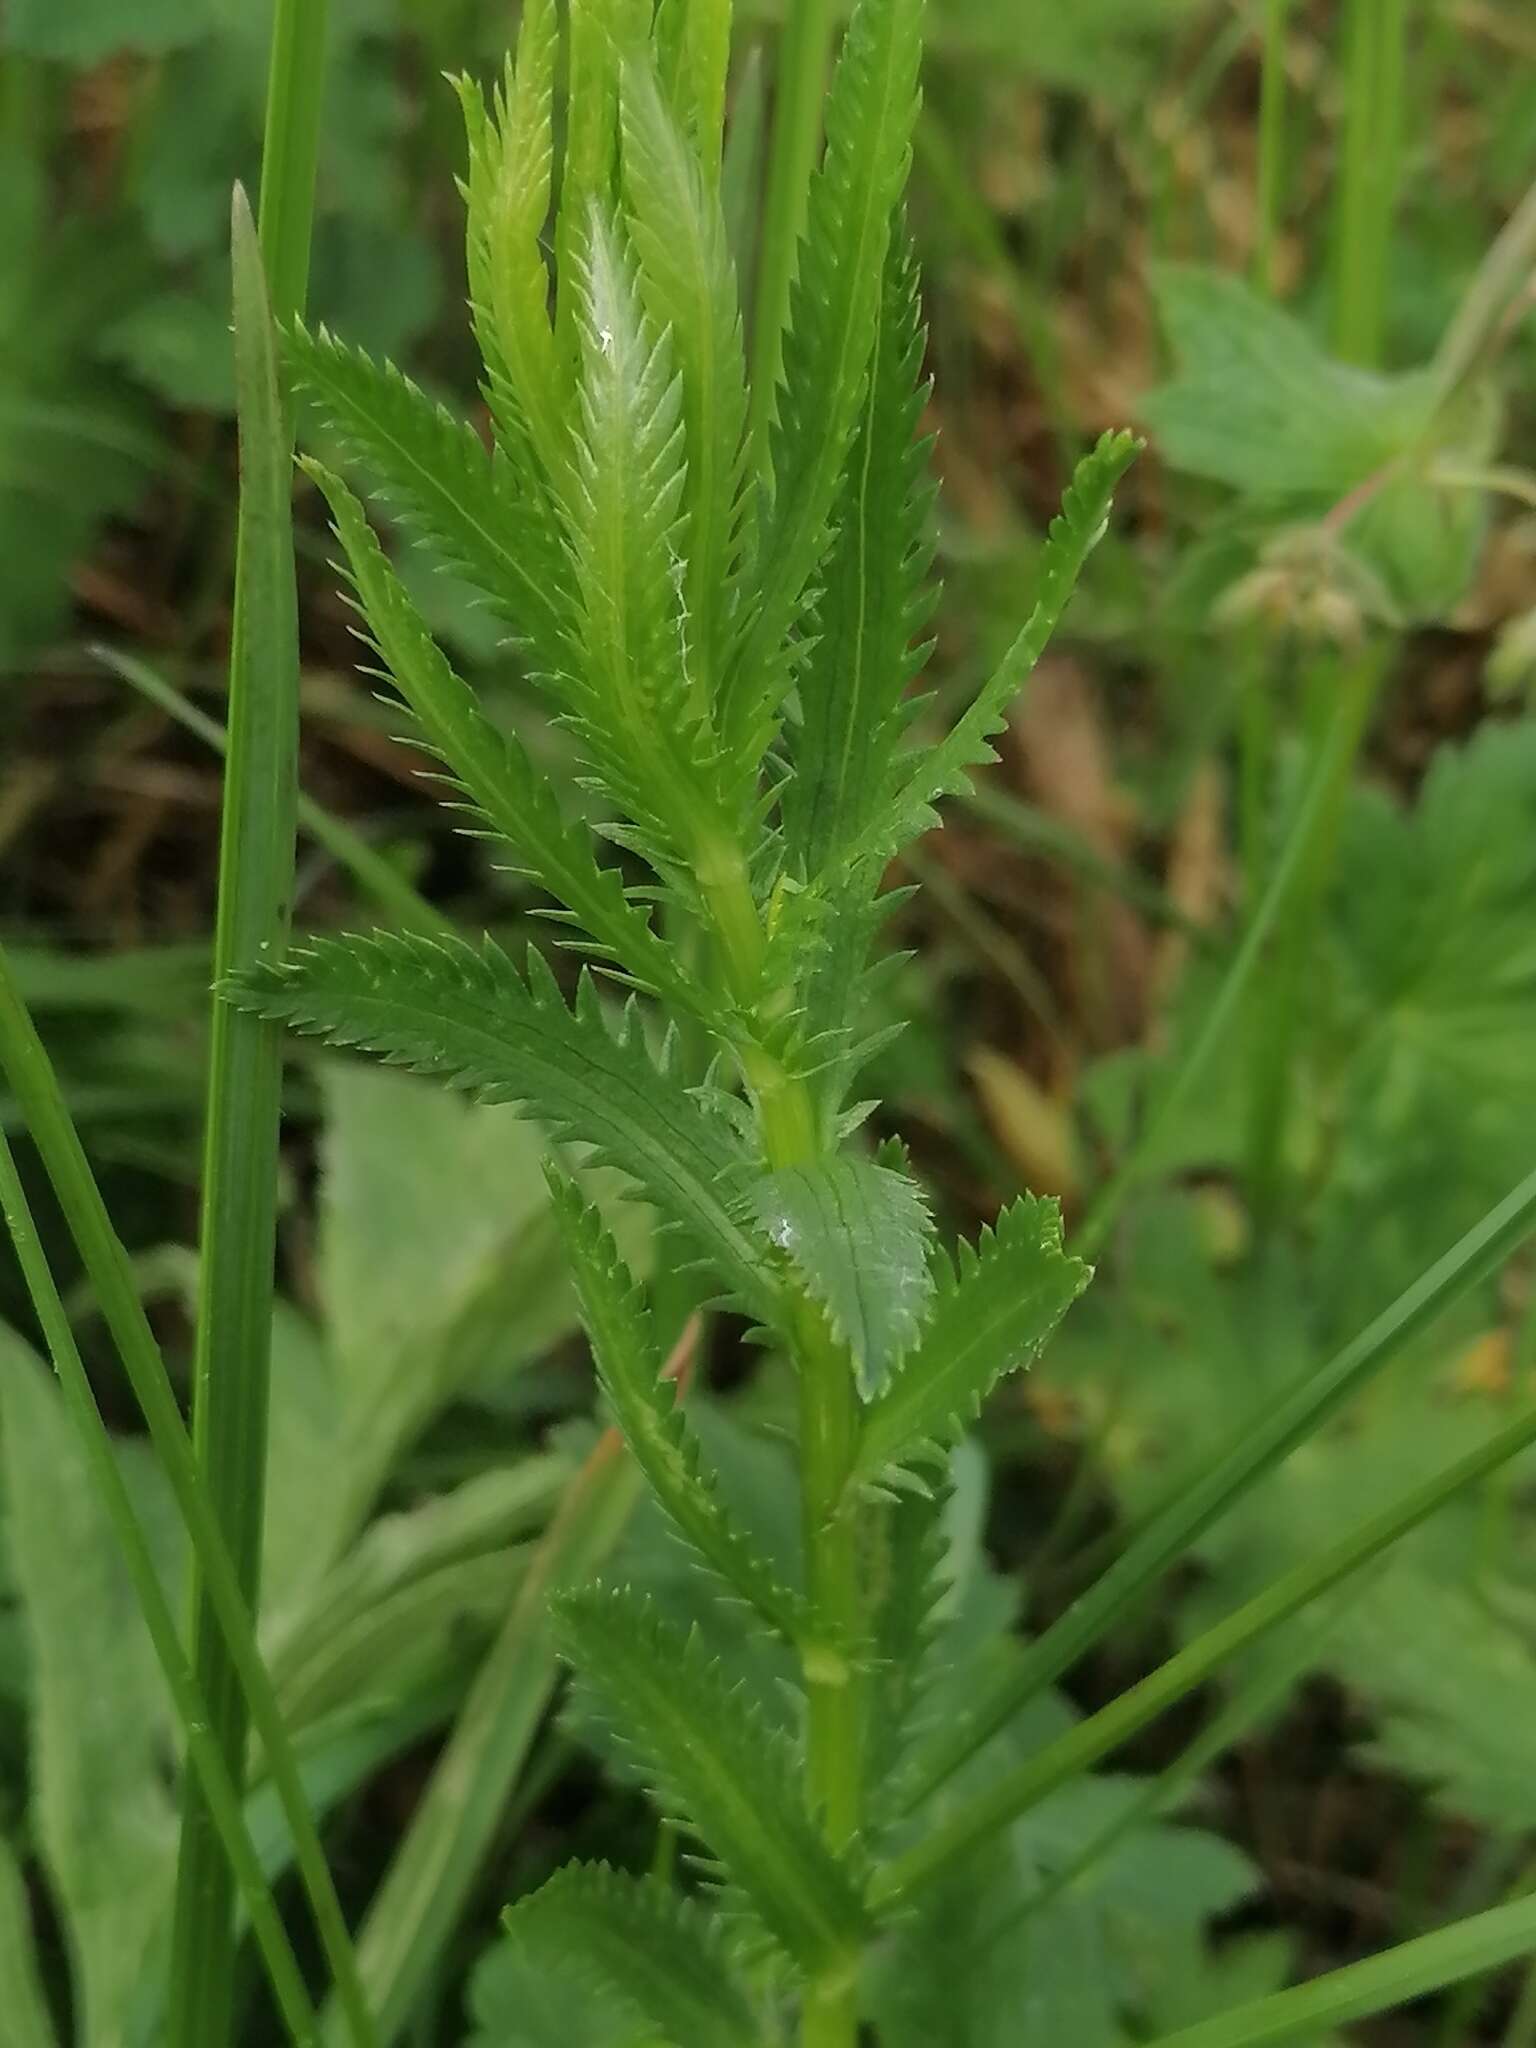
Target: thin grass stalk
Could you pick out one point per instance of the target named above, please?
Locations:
(1016, 1792)
(112, 1278)
(1270, 193)
(1366, 205)
(374, 875)
(1412, 1970)
(231, 1362)
(203, 1752)
(1200, 1498)
(1296, 857)
(800, 83)
(432, 1876)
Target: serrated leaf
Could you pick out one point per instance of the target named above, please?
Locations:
(638, 701)
(856, 1235)
(602, 35)
(688, 284)
(993, 1312)
(925, 775)
(910, 1575)
(854, 680)
(645, 1405)
(721, 1770)
(437, 474)
(445, 1007)
(494, 771)
(693, 55)
(871, 111)
(508, 191)
(662, 1952)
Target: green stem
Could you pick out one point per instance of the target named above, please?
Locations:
(1272, 111)
(231, 1366)
(805, 50)
(1376, 38)
(191, 1710)
(112, 1277)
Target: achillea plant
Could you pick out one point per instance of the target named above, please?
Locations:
(730, 623)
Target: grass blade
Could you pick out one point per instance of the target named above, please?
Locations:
(20, 1987)
(203, 1751)
(239, 1216)
(1449, 1956)
(1197, 1503)
(418, 1906)
(1016, 1791)
(116, 1289)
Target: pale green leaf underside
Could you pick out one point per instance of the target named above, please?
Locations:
(719, 1768)
(856, 1235)
(992, 1315)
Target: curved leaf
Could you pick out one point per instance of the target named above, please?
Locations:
(994, 1311)
(720, 1769)
(442, 1006)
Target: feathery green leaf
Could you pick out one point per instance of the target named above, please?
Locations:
(660, 1951)
(856, 1235)
(437, 474)
(443, 1006)
(874, 601)
(994, 1311)
(494, 771)
(871, 111)
(923, 776)
(645, 1405)
(688, 284)
(720, 1769)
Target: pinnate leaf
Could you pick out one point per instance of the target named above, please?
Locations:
(923, 776)
(646, 1407)
(661, 1952)
(994, 1311)
(718, 1767)
(856, 1235)
(443, 1006)
(437, 474)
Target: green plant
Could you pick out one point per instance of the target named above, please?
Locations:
(731, 628)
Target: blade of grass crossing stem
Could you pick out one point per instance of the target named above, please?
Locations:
(374, 875)
(1434, 1961)
(239, 1206)
(1293, 861)
(115, 1285)
(418, 1906)
(1202, 1497)
(203, 1752)
(800, 84)
(1014, 1792)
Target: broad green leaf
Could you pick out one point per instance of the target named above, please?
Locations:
(993, 1312)
(103, 1813)
(28, 2024)
(493, 770)
(922, 776)
(645, 1405)
(854, 680)
(435, 472)
(856, 1236)
(663, 1953)
(449, 1008)
(871, 109)
(517, 2002)
(639, 700)
(718, 1769)
(688, 283)
(1257, 404)
(511, 157)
